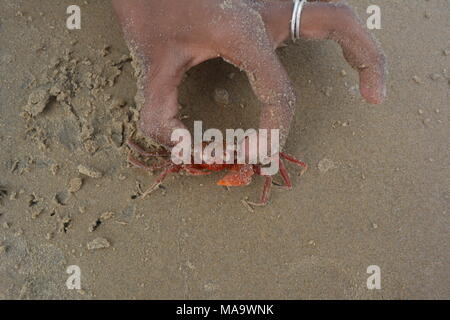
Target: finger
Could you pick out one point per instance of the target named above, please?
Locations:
(158, 95)
(159, 69)
(339, 23)
(253, 52)
(321, 20)
(277, 18)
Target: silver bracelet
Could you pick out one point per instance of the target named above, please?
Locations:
(297, 18)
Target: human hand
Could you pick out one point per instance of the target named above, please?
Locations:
(169, 37)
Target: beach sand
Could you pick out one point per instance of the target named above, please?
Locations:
(377, 192)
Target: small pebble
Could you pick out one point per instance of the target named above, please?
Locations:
(94, 225)
(106, 216)
(54, 169)
(327, 91)
(90, 172)
(75, 185)
(99, 243)
(222, 96)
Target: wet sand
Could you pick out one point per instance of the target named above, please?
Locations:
(377, 192)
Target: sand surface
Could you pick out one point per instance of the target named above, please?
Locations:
(377, 192)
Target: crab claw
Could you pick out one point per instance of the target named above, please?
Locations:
(240, 176)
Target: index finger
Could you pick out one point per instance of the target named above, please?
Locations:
(338, 22)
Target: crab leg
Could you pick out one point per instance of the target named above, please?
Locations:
(196, 172)
(266, 193)
(285, 175)
(159, 181)
(294, 160)
(134, 146)
(142, 165)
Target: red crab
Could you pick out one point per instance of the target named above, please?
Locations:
(238, 175)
